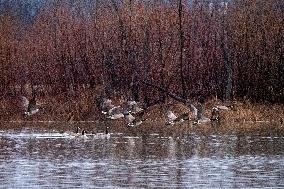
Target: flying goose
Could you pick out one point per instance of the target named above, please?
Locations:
(200, 112)
(133, 107)
(171, 118)
(131, 120)
(215, 112)
(30, 106)
(115, 113)
(222, 107)
(106, 105)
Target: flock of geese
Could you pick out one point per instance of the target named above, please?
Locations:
(133, 114)
(130, 111)
(81, 133)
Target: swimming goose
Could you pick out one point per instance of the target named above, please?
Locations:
(84, 136)
(73, 134)
(78, 130)
(105, 135)
(31, 107)
(106, 131)
(131, 120)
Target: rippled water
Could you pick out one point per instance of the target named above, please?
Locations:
(54, 160)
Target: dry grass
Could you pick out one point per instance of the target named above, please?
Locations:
(243, 117)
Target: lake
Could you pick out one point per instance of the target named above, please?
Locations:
(50, 159)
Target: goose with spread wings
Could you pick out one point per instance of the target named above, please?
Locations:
(29, 105)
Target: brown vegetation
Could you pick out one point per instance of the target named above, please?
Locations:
(68, 56)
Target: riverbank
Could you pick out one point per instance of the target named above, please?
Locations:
(65, 112)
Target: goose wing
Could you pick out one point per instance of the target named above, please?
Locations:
(32, 105)
(171, 116)
(24, 102)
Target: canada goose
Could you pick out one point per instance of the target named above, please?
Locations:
(192, 108)
(106, 131)
(131, 120)
(31, 108)
(78, 130)
(72, 134)
(170, 117)
(200, 112)
(222, 107)
(104, 135)
(115, 113)
(84, 136)
(202, 120)
(84, 132)
(215, 114)
(106, 105)
(133, 107)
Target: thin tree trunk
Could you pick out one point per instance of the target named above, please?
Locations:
(227, 61)
(181, 39)
(146, 66)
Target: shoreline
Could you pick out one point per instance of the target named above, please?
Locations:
(56, 114)
(180, 129)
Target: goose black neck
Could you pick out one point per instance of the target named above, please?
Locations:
(77, 130)
(83, 132)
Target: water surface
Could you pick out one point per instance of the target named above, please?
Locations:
(31, 159)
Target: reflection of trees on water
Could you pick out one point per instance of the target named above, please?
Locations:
(142, 161)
